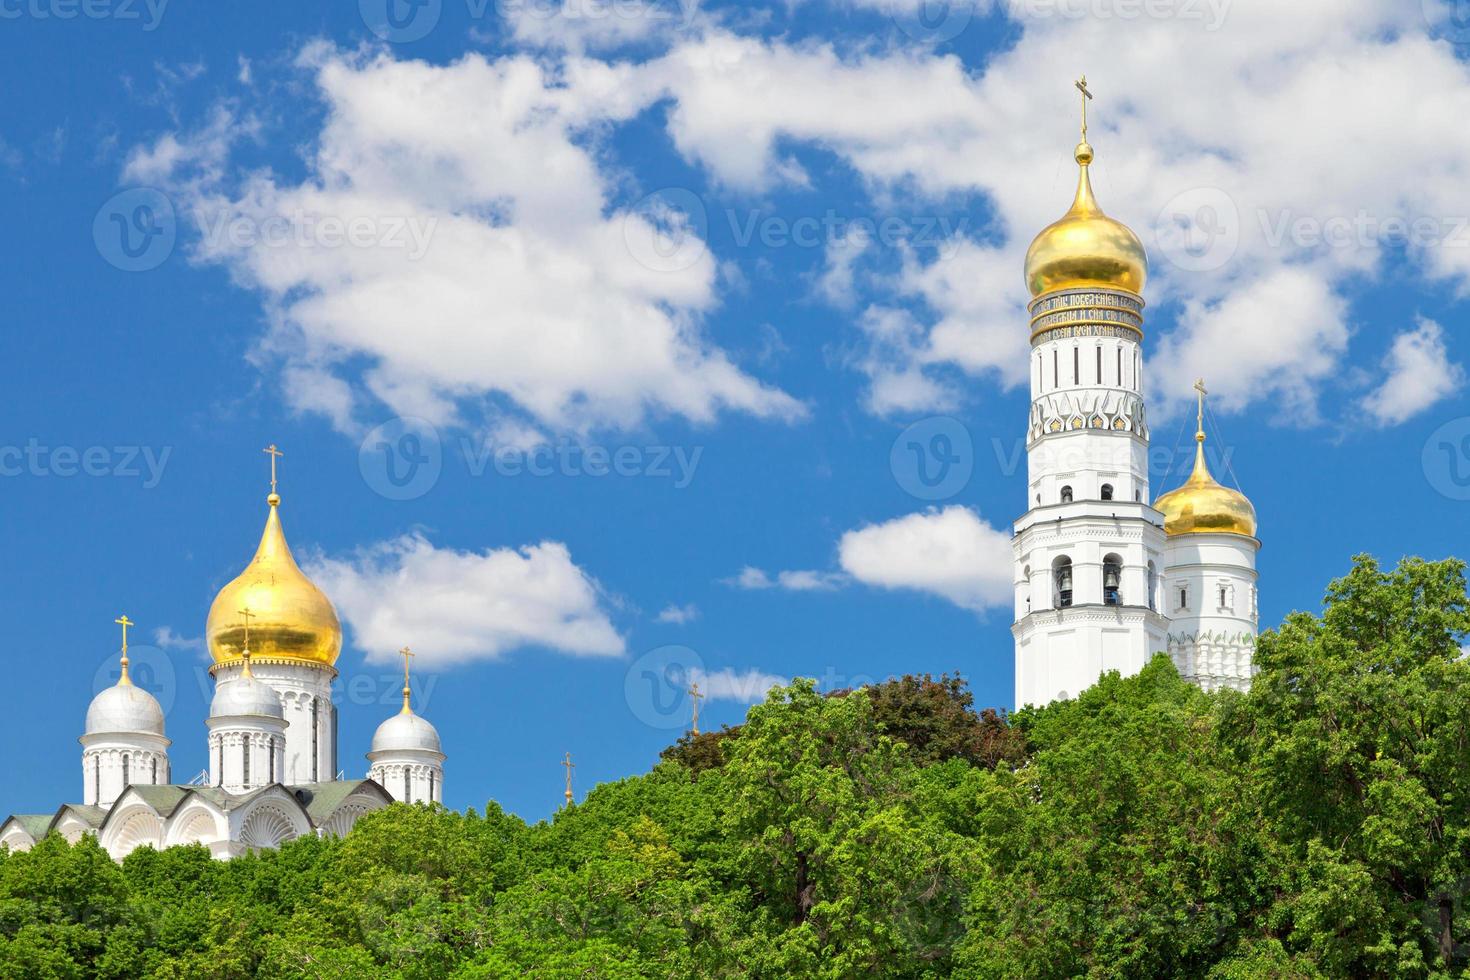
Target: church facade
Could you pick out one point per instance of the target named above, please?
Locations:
(271, 737)
(1105, 575)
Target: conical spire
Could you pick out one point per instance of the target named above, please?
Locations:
(1085, 248)
(1201, 505)
(293, 620)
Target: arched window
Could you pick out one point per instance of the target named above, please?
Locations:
(407, 787)
(1107, 491)
(1112, 580)
(125, 770)
(1183, 598)
(431, 785)
(1062, 577)
(1066, 495)
(245, 761)
(1026, 589)
(1152, 585)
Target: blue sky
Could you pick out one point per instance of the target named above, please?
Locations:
(727, 255)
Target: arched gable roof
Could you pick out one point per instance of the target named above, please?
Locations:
(91, 816)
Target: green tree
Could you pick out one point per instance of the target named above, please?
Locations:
(1357, 731)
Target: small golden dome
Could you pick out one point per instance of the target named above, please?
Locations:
(290, 618)
(1203, 506)
(1085, 247)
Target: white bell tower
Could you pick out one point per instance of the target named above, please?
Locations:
(1089, 551)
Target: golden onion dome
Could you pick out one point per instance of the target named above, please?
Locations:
(1203, 506)
(1085, 247)
(289, 618)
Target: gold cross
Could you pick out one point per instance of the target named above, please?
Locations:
(124, 680)
(570, 766)
(1199, 387)
(694, 695)
(124, 622)
(405, 653)
(275, 453)
(1081, 84)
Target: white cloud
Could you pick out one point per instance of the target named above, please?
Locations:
(950, 553)
(809, 580)
(795, 580)
(533, 292)
(1419, 373)
(166, 638)
(678, 615)
(893, 361)
(746, 686)
(458, 606)
(835, 283)
(1242, 343)
(580, 25)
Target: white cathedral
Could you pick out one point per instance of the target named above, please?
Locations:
(1104, 580)
(272, 733)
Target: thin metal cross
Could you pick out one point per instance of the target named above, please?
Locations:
(405, 653)
(695, 696)
(570, 766)
(1081, 84)
(1199, 387)
(275, 453)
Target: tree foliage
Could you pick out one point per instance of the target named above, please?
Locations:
(1318, 826)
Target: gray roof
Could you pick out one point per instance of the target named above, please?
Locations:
(35, 824)
(91, 815)
(322, 799)
(319, 800)
(164, 799)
